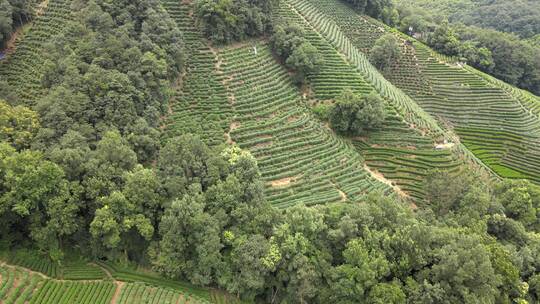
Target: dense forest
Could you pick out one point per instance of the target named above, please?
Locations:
(85, 167)
(496, 37)
(521, 17)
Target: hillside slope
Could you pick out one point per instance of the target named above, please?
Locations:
(151, 214)
(497, 123)
(301, 160)
(429, 101)
(403, 150)
(24, 68)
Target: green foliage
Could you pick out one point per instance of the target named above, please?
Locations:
(521, 201)
(387, 293)
(477, 56)
(37, 195)
(323, 111)
(353, 114)
(224, 21)
(5, 20)
(535, 40)
(444, 40)
(361, 270)
(104, 83)
(187, 160)
(18, 125)
(126, 79)
(385, 52)
(445, 191)
(373, 8)
(193, 223)
(519, 17)
(299, 55)
(304, 59)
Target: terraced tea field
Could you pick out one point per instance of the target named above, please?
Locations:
(497, 123)
(139, 293)
(24, 68)
(18, 286)
(91, 284)
(405, 157)
(72, 269)
(335, 74)
(200, 105)
(403, 153)
(301, 159)
(497, 127)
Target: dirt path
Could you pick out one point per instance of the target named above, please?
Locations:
(234, 125)
(343, 195)
(119, 284)
(11, 44)
(40, 9)
(282, 182)
(378, 176)
(107, 272)
(117, 291)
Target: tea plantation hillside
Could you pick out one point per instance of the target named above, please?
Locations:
(200, 105)
(19, 285)
(261, 151)
(495, 121)
(404, 149)
(205, 104)
(26, 277)
(301, 160)
(24, 69)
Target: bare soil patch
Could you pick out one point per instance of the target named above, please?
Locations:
(117, 291)
(378, 176)
(282, 182)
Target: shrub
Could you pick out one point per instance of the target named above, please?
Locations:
(323, 111)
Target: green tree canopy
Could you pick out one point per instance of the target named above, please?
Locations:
(224, 21)
(354, 114)
(299, 55)
(18, 125)
(385, 52)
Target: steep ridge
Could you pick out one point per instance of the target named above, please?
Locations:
(405, 106)
(489, 120)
